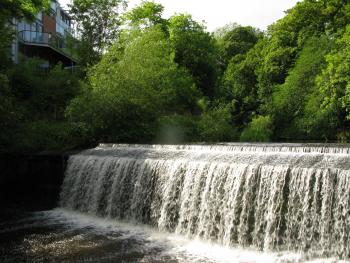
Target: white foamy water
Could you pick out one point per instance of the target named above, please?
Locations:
(272, 198)
(174, 246)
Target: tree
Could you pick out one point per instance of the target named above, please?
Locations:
(235, 39)
(239, 85)
(284, 39)
(336, 14)
(277, 57)
(146, 15)
(10, 111)
(287, 37)
(296, 96)
(195, 50)
(334, 82)
(335, 79)
(20, 9)
(128, 96)
(98, 26)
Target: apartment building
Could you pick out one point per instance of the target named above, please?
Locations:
(50, 37)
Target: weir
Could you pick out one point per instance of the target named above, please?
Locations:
(271, 197)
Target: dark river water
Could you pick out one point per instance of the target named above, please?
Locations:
(64, 236)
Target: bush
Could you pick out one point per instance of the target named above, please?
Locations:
(42, 135)
(215, 125)
(10, 115)
(259, 130)
(32, 105)
(43, 94)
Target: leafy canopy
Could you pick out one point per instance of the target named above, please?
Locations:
(98, 25)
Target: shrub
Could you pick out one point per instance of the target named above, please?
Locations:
(259, 130)
(215, 125)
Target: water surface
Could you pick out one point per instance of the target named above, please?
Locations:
(61, 235)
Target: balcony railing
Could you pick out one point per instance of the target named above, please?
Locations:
(66, 45)
(63, 28)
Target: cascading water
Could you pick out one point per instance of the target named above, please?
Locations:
(265, 196)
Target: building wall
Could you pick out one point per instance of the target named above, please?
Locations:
(49, 24)
(36, 38)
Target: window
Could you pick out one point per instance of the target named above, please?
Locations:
(36, 27)
(21, 26)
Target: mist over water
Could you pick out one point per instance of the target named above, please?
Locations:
(271, 198)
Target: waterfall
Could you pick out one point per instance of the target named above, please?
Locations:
(266, 196)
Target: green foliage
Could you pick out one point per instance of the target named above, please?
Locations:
(334, 81)
(22, 8)
(287, 37)
(294, 106)
(9, 114)
(6, 35)
(32, 103)
(151, 79)
(234, 40)
(41, 93)
(146, 15)
(247, 72)
(277, 58)
(128, 96)
(277, 76)
(239, 85)
(45, 135)
(215, 125)
(316, 123)
(98, 26)
(337, 15)
(304, 20)
(195, 50)
(259, 130)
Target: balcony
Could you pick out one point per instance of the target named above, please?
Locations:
(65, 46)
